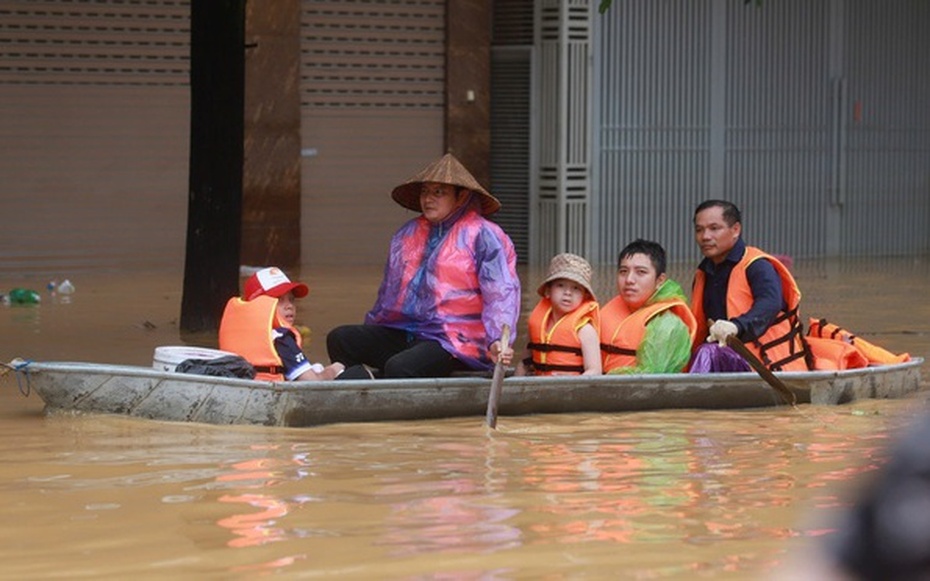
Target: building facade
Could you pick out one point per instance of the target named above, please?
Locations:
(812, 115)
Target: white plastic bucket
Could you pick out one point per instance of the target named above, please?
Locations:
(167, 358)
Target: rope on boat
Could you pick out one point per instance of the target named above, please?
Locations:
(21, 368)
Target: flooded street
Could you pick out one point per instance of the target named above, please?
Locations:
(672, 494)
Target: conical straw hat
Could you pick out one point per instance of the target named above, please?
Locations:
(445, 170)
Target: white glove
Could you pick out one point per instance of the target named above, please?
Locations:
(720, 330)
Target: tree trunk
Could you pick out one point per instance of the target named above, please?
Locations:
(214, 214)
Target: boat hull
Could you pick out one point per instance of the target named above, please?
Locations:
(163, 395)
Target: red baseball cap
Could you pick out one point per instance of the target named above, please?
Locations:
(274, 283)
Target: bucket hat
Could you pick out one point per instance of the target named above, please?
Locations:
(445, 170)
(569, 266)
(272, 282)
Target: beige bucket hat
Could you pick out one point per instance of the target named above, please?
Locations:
(445, 170)
(570, 266)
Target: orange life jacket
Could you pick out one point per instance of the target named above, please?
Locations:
(623, 331)
(872, 353)
(781, 347)
(833, 355)
(246, 330)
(558, 352)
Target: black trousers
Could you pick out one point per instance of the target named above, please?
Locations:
(393, 352)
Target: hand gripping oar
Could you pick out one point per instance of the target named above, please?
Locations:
(498, 380)
(734, 343)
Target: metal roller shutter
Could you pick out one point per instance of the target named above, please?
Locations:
(372, 99)
(94, 120)
(511, 97)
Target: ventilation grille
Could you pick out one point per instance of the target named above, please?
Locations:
(576, 21)
(95, 42)
(373, 54)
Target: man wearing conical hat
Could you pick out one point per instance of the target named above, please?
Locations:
(449, 286)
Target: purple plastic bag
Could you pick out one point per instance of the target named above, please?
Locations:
(715, 358)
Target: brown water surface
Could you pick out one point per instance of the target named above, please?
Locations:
(670, 494)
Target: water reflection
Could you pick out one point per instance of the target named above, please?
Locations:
(655, 493)
(659, 481)
(674, 494)
(448, 521)
(258, 528)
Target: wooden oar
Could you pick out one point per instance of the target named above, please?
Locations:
(734, 343)
(498, 381)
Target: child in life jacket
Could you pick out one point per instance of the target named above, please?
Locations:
(259, 326)
(563, 328)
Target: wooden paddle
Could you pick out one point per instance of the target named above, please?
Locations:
(734, 343)
(497, 382)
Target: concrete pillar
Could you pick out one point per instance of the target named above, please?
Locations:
(271, 171)
(468, 85)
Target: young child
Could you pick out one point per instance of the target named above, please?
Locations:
(259, 326)
(563, 328)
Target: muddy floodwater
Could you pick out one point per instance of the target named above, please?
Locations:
(649, 495)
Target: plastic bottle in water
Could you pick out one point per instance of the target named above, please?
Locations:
(24, 296)
(66, 288)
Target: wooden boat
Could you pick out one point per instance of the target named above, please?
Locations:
(166, 395)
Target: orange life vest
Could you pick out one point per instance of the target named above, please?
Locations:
(558, 352)
(833, 355)
(782, 346)
(873, 354)
(246, 330)
(623, 331)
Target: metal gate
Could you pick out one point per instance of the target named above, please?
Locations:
(810, 115)
(715, 99)
(884, 97)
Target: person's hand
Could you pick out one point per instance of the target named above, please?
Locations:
(319, 373)
(334, 370)
(720, 330)
(504, 355)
